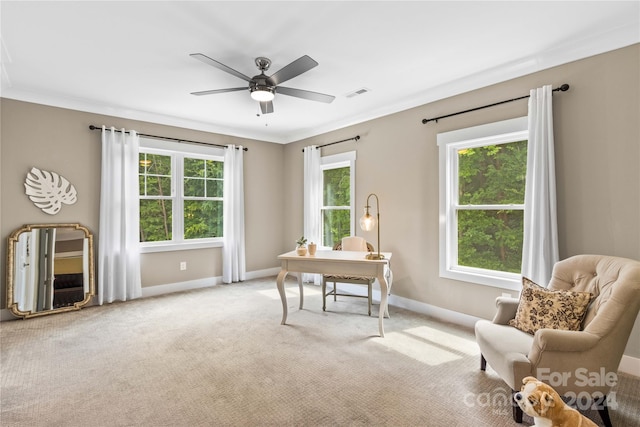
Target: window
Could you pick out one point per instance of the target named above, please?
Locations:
(181, 196)
(482, 180)
(337, 215)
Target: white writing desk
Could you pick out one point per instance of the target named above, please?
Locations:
(334, 262)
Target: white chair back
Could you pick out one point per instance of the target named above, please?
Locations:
(354, 243)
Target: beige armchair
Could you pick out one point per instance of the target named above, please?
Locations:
(577, 364)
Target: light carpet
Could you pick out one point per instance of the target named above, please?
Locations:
(219, 357)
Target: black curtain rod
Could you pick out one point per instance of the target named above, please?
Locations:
(563, 88)
(355, 138)
(166, 138)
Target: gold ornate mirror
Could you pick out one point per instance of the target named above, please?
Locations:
(49, 269)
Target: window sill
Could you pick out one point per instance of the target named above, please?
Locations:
(509, 281)
(169, 247)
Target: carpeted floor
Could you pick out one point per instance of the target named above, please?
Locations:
(219, 357)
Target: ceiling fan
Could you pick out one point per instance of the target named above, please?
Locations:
(262, 87)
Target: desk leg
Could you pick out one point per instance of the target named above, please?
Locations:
(283, 296)
(384, 294)
(301, 289)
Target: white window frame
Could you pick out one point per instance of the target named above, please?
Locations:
(336, 161)
(449, 143)
(178, 151)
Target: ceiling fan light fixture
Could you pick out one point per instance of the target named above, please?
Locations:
(262, 87)
(262, 93)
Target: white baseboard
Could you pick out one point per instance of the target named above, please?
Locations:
(267, 272)
(433, 311)
(630, 365)
(150, 291)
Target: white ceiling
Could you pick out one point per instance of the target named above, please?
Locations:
(131, 59)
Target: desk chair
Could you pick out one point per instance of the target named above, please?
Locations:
(352, 243)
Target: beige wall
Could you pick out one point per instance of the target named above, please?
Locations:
(597, 137)
(59, 140)
(597, 153)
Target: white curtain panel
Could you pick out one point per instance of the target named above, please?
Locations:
(540, 245)
(119, 245)
(312, 202)
(233, 251)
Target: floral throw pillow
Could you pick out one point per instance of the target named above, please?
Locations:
(541, 308)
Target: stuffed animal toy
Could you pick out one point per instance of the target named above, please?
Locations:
(547, 408)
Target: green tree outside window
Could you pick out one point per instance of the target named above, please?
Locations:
(201, 196)
(156, 205)
(336, 200)
(490, 237)
(203, 209)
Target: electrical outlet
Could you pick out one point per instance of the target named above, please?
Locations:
(183, 265)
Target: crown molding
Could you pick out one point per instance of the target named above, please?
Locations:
(573, 50)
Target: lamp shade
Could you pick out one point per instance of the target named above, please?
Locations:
(367, 221)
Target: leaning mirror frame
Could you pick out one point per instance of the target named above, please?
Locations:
(87, 260)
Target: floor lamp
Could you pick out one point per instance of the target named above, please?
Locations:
(367, 222)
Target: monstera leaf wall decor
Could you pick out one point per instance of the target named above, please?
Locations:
(48, 190)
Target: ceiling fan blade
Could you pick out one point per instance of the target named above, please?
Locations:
(297, 67)
(266, 107)
(219, 65)
(214, 91)
(305, 94)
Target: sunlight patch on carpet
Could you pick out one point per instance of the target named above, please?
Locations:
(417, 349)
(445, 339)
